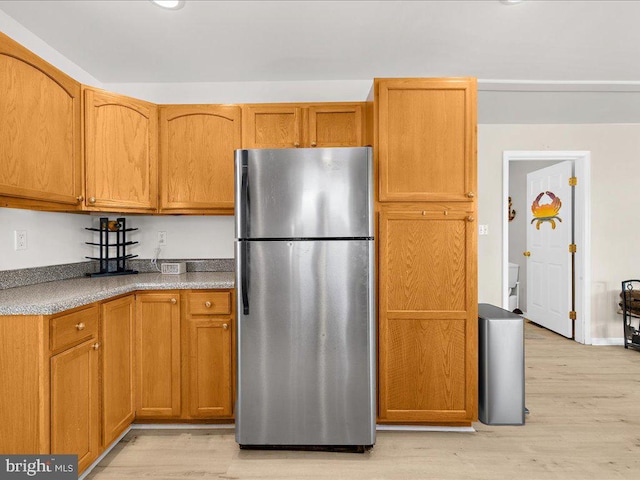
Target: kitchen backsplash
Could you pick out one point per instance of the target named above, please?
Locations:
(30, 276)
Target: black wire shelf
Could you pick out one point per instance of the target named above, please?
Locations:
(112, 263)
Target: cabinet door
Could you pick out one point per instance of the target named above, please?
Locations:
(40, 150)
(158, 355)
(121, 152)
(75, 424)
(117, 367)
(428, 315)
(210, 381)
(336, 126)
(426, 139)
(197, 144)
(272, 126)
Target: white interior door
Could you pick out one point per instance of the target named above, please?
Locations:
(549, 229)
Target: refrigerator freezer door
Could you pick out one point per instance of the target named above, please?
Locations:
(306, 350)
(304, 193)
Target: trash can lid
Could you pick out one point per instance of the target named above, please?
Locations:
(488, 311)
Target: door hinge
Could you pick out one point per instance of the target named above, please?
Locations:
(572, 315)
(572, 248)
(573, 181)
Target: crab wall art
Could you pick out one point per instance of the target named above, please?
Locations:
(547, 212)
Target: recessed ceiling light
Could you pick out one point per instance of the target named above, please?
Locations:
(511, 2)
(169, 4)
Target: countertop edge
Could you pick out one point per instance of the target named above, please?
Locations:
(48, 307)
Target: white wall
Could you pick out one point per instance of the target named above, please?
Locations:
(187, 236)
(52, 238)
(247, 92)
(615, 178)
(24, 37)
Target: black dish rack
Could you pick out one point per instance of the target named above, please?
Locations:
(113, 234)
(631, 312)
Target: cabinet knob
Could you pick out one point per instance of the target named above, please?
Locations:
(527, 253)
(225, 326)
(79, 198)
(471, 194)
(314, 144)
(80, 326)
(207, 304)
(92, 199)
(96, 346)
(470, 218)
(173, 301)
(297, 144)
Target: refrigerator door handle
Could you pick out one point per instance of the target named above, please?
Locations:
(245, 280)
(244, 214)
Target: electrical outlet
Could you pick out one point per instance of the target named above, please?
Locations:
(162, 239)
(173, 268)
(483, 229)
(20, 239)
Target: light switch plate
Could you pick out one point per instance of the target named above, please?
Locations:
(483, 229)
(173, 268)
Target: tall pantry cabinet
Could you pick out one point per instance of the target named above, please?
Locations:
(427, 250)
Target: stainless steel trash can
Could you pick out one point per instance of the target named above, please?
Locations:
(501, 366)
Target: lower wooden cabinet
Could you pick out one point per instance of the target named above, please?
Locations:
(427, 315)
(209, 360)
(158, 378)
(184, 355)
(117, 334)
(75, 424)
(79, 378)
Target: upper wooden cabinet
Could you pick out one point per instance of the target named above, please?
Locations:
(197, 144)
(426, 139)
(272, 126)
(303, 125)
(40, 147)
(121, 152)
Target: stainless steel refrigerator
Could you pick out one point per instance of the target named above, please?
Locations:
(305, 298)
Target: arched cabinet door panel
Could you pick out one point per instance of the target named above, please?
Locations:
(40, 145)
(197, 144)
(121, 152)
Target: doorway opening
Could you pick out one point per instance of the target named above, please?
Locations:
(582, 214)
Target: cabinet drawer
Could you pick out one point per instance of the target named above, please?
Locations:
(209, 303)
(73, 328)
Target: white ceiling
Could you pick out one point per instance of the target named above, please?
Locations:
(228, 41)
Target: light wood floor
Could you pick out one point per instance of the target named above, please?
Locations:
(584, 424)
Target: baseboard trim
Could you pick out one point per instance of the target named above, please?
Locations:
(422, 428)
(104, 454)
(183, 426)
(607, 341)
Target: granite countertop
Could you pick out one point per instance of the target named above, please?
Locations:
(54, 297)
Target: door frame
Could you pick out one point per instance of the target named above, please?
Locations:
(582, 221)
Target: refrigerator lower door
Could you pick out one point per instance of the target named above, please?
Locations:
(306, 347)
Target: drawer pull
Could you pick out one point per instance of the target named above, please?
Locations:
(80, 326)
(225, 326)
(207, 304)
(173, 301)
(96, 346)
